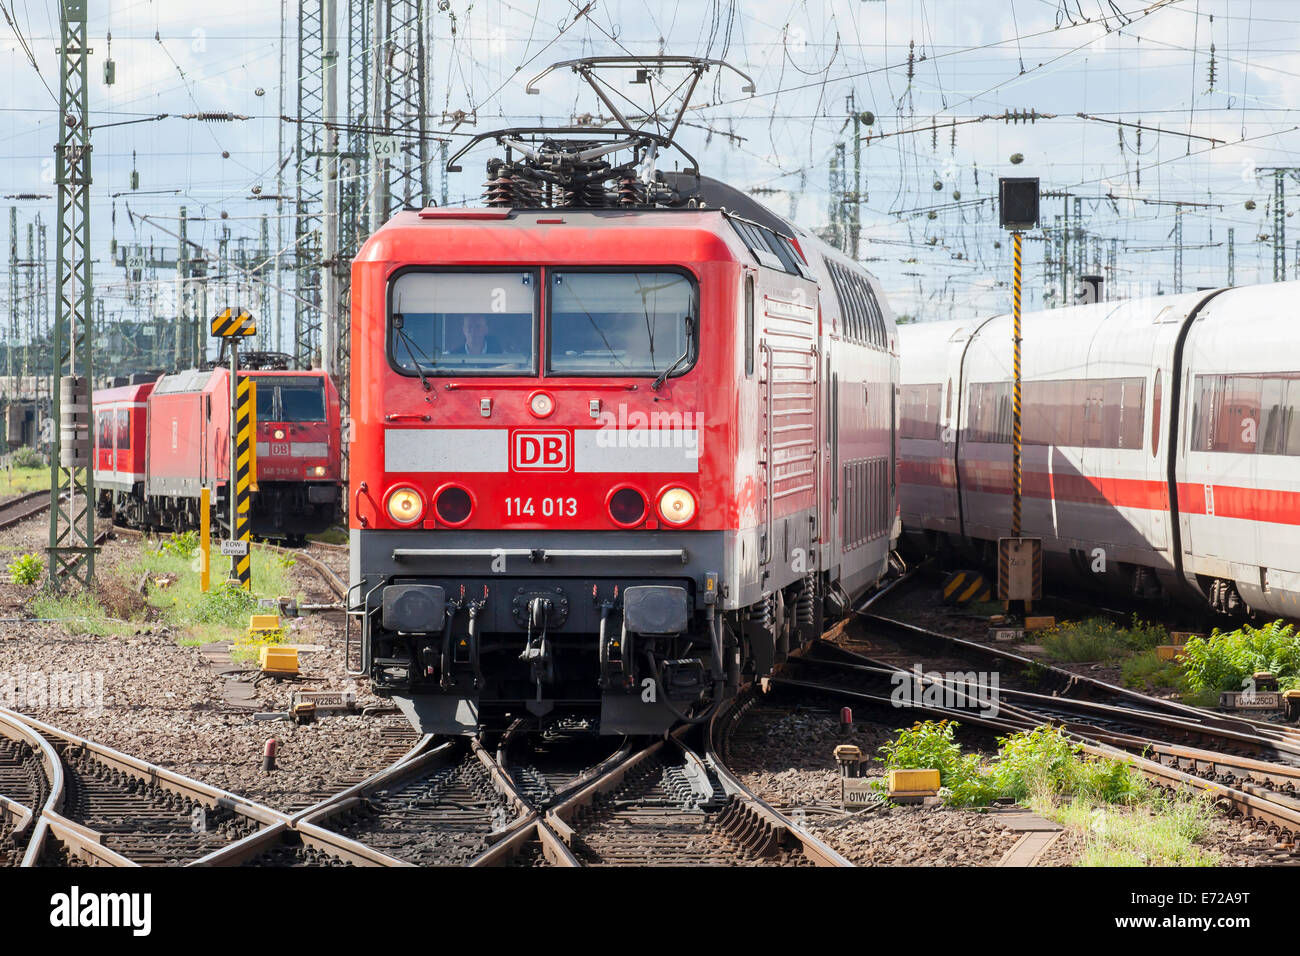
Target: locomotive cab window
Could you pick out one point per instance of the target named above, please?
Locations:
(621, 323)
(463, 323)
(290, 398)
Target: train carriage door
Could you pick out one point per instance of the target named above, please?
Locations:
(763, 483)
(835, 460)
(1159, 530)
(765, 504)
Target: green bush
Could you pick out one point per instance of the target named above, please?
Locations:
(184, 545)
(929, 745)
(1097, 639)
(228, 604)
(27, 457)
(1041, 763)
(1146, 671)
(1225, 659)
(26, 569)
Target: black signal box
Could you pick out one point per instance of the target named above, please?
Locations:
(1018, 203)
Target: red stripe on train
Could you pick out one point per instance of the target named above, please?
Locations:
(1269, 505)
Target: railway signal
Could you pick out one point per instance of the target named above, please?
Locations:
(1017, 211)
(232, 325)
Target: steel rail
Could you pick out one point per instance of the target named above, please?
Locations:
(716, 731)
(87, 843)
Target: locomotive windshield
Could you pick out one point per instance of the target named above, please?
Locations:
(620, 323)
(459, 323)
(290, 398)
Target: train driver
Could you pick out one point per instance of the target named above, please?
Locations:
(477, 339)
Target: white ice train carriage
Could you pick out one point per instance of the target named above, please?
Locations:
(1161, 442)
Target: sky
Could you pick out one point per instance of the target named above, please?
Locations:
(934, 74)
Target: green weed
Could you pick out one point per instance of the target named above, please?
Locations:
(26, 569)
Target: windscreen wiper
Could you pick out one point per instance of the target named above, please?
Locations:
(680, 360)
(411, 349)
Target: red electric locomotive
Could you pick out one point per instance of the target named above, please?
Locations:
(178, 443)
(606, 462)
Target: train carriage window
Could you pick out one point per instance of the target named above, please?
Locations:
(1237, 427)
(123, 430)
(1112, 412)
(1077, 395)
(1093, 400)
(990, 412)
(1156, 399)
(1036, 414)
(1204, 396)
(1291, 420)
(1132, 412)
(104, 430)
(920, 411)
(464, 323)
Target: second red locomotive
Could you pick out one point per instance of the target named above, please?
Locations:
(159, 444)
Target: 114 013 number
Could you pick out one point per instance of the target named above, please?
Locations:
(546, 507)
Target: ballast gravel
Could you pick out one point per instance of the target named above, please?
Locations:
(162, 703)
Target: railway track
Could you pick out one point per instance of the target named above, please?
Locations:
(458, 804)
(19, 509)
(93, 806)
(1247, 767)
(904, 641)
(674, 804)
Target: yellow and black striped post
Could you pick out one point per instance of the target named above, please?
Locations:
(1015, 391)
(232, 325)
(242, 476)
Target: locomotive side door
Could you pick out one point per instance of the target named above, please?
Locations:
(758, 358)
(764, 476)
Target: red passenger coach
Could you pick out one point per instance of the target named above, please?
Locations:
(606, 462)
(120, 429)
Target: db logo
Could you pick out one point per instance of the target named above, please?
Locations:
(280, 449)
(540, 451)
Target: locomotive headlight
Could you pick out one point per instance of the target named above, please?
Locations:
(405, 506)
(677, 506)
(279, 434)
(541, 404)
(319, 471)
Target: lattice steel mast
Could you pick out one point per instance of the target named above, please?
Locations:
(403, 102)
(308, 195)
(72, 480)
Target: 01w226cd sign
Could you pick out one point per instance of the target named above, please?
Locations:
(539, 451)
